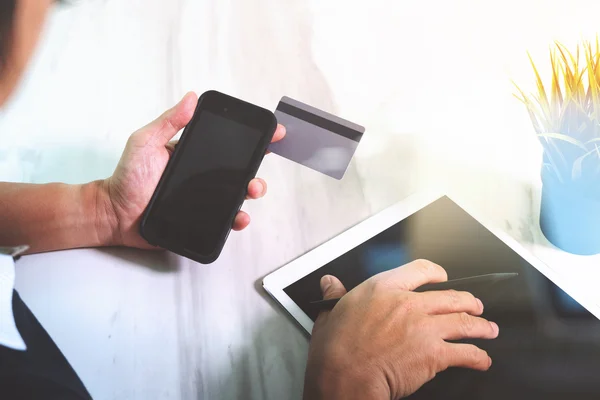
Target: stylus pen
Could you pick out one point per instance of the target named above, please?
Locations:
(453, 284)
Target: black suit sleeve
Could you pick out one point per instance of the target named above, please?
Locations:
(40, 372)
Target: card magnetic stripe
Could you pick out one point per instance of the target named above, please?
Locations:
(317, 120)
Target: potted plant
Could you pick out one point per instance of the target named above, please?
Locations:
(567, 123)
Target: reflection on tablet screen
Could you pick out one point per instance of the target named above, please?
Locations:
(549, 345)
(379, 257)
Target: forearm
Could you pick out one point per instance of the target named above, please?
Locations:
(54, 216)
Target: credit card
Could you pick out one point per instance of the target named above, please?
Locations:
(315, 138)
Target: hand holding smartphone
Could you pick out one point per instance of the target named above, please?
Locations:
(204, 184)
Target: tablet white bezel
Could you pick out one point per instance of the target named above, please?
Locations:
(275, 282)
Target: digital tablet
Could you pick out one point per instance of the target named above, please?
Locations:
(549, 342)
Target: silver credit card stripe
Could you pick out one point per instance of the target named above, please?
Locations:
(322, 114)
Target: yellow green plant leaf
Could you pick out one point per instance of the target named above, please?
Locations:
(544, 117)
(543, 98)
(593, 88)
(556, 98)
(566, 118)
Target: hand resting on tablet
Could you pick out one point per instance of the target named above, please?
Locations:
(384, 341)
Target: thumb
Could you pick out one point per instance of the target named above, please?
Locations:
(332, 288)
(171, 121)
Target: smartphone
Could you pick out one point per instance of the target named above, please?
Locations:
(206, 179)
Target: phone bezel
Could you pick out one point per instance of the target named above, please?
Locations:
(231, 108)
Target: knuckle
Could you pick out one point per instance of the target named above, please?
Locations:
(439, 356)
(466, 301)
(378, 285)
(453, 299)
(423, 265)
(473, 353)
(466, 322)
(477, 358)
(429, 268)
(135, 140)
(468, 297)
(407, 304)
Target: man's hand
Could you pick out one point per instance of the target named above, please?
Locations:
(129, 189)
(382, 340)
(56, 216)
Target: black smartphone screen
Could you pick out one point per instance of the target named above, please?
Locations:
(207, 178)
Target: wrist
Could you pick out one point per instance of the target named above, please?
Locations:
(99, 207)
(344, 384)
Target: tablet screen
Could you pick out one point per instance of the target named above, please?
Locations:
(549, 345)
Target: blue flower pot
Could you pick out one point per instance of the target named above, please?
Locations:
(569, 216)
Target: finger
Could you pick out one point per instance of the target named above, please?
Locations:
(257, 188)
(278, 135)
(450, 301)
(332, 287)
(414, 274)
(464, 326)
(242, 220)
(171, 121)
(466, 356)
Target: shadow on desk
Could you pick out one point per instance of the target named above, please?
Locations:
(159, 261)
(268, 368)
(265, 359)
